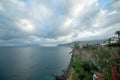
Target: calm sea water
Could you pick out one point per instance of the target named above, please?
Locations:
(33, 63)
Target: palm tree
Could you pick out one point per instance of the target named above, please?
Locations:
(118, 33)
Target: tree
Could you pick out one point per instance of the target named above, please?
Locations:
(109, 40)
(118, 33)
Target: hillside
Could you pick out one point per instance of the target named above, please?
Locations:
(91, 42)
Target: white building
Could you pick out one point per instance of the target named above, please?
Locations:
(114, 40)
(111, 40)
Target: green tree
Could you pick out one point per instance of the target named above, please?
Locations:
(76, 47)
(118, 33)
(109, 40)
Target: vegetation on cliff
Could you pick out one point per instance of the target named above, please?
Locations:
(86, 62)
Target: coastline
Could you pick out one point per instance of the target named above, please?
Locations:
(67, 71)
(91, 57)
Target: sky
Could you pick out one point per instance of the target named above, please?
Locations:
(52, 22)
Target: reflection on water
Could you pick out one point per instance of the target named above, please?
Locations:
(32, 63)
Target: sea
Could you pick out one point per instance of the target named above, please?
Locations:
(33, 63)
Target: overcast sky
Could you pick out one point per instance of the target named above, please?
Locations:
(52, 22)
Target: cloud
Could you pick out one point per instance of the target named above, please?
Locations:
(25, 25)
(1, 8)
(50, 22)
